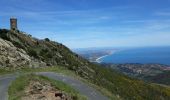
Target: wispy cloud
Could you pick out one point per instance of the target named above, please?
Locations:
(163, 13)
(92, 22)
(139, 21)
(132, 41)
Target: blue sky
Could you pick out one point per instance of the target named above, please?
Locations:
(92, 23)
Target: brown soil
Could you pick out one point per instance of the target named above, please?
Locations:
(37, 90)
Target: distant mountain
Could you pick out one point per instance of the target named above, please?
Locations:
(19, 50)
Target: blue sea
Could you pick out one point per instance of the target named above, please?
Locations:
(160, 55)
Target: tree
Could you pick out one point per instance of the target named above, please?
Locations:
(47, 39)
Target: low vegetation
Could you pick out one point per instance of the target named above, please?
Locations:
(155, 73)
(162, 78)
(129, 88)
(4, 71)
(17, 89)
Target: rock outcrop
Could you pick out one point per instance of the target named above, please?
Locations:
(13, 57)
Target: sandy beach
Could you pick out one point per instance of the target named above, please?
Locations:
(98, 59)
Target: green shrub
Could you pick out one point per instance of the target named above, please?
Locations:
(19, 45)
(32, 53)
(47, 39)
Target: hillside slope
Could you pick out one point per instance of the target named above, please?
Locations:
(50, 53)
(156, 73)
(47, 52)
(13, 57)
(162, 78)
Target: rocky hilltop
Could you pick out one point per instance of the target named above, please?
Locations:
(19, 49)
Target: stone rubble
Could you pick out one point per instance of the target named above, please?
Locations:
(44, 91)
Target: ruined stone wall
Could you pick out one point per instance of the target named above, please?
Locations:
(13, 23)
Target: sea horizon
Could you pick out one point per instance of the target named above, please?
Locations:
(142, 55)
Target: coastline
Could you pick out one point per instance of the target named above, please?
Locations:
(98, 59)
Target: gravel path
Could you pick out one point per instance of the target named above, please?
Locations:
(83, 88)
(4, 84)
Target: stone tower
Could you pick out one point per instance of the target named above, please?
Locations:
(13, 23)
